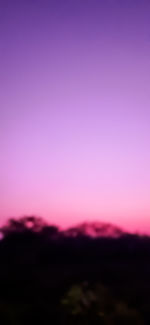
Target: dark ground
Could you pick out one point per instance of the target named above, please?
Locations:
(50, 277)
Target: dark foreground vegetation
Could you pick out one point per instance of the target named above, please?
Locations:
(92, 274)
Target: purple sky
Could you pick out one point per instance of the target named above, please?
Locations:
(75, 110)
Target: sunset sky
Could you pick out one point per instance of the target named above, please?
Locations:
(75, 111)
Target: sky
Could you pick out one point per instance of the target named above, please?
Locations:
(75, 111)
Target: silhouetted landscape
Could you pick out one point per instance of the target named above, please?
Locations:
(90, 274)
(74, 146)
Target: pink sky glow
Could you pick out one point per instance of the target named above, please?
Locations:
(75, 111)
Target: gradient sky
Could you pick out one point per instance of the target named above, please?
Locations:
(75, 111)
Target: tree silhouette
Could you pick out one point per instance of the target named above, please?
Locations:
(82, 275)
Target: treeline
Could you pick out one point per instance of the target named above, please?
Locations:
(93, 273)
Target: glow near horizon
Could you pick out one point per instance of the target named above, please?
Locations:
(75, 111)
